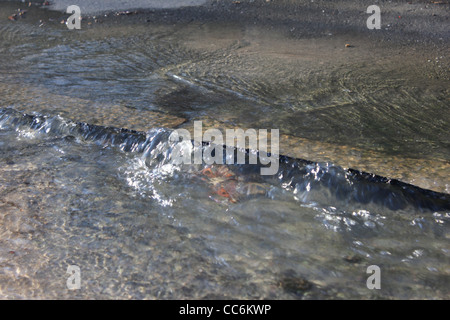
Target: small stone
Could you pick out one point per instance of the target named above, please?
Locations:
(352, 258)
(295, 285)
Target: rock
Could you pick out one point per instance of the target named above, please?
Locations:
(295, 285)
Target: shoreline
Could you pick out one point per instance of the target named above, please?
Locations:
(425, 19)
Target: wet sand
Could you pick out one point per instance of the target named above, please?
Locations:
(408, 20)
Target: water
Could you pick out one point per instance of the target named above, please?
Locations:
(113, 203)
(77, 189)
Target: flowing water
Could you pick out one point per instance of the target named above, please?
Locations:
(87, 177)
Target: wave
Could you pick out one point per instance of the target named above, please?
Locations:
(309, 181)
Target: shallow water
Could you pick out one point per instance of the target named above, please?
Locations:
(138, 226)
(112, 202)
